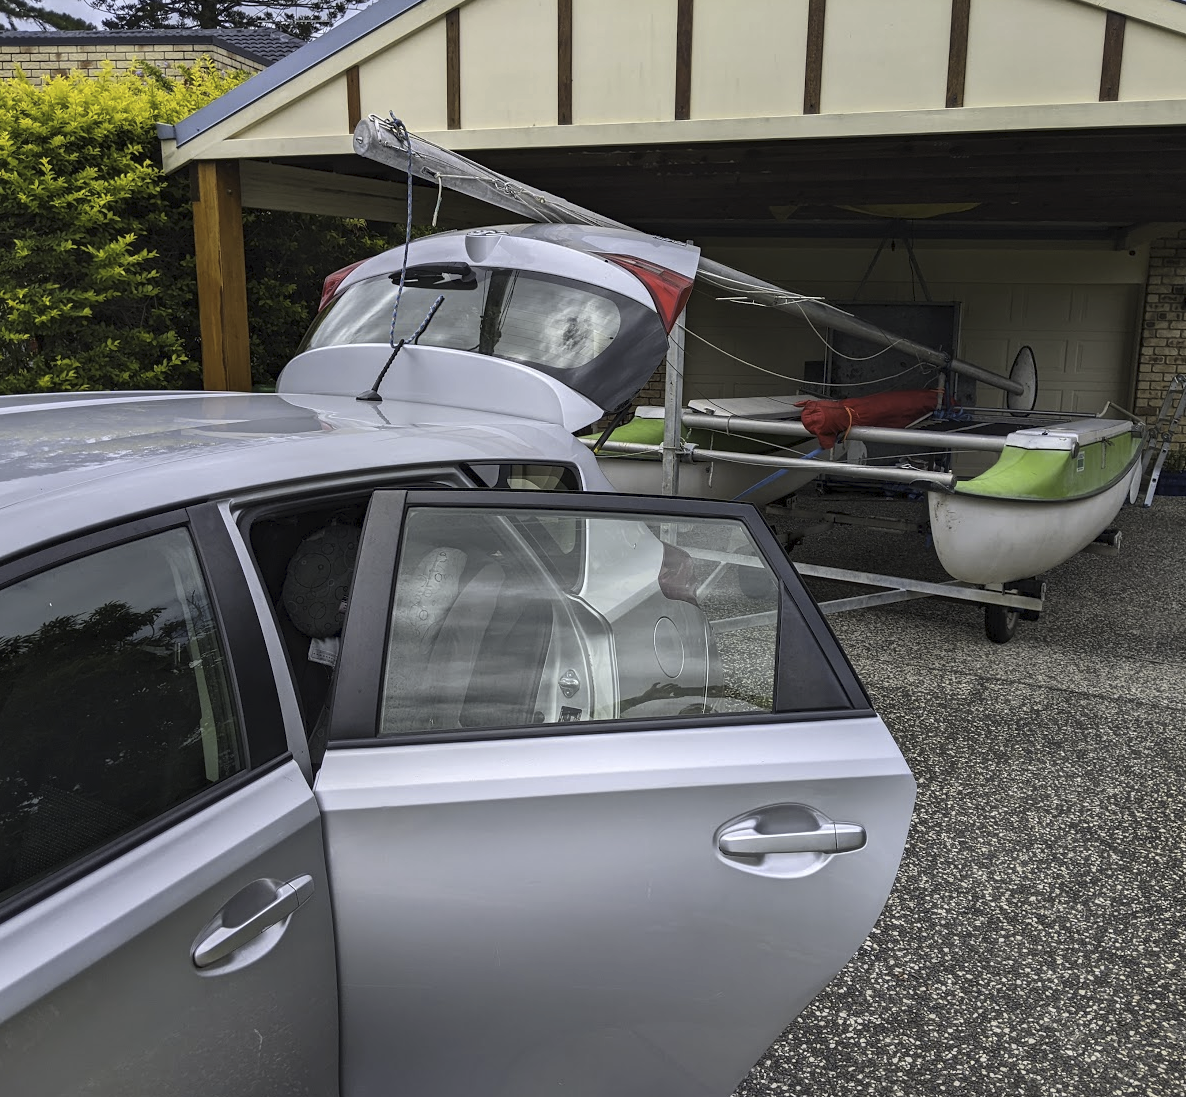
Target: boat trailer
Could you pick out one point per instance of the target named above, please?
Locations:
(387, 142)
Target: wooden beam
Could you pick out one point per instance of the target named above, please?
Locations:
(222, 277)
(353, 97)
(1113, 58)
(336, 194)
(453, 68)
(564, 62)
(814, 74)
(957, 52)
(683, 60)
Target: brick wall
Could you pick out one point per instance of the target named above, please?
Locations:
(1163, 333)
(39, 61)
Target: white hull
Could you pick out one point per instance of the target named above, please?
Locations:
(981, 539)
(705, 480)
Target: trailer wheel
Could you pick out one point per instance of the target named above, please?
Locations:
(1000, 623)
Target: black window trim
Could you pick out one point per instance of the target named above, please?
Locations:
(356, 703)
(252, 681)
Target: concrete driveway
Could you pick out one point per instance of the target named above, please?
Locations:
(1035, 942)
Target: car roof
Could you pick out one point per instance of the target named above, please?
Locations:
(70, 462)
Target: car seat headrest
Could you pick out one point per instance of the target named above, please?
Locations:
(318, 579)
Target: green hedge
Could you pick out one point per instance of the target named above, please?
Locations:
(97, 282)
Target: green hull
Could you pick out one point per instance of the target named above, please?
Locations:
(649, 432)
(1047, 474)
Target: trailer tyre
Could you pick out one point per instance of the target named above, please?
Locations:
(1000, 623)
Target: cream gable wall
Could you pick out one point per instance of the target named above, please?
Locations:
(1033, 51)
(748, 60)
(1031, 64)
(508, 63)
(885, 56)
(1154, 63)
(319, 112)
(623, 60)
(408, 78)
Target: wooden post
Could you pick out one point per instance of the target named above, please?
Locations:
(813, 73)
(222, 276)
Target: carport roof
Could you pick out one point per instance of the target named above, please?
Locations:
(782, 116)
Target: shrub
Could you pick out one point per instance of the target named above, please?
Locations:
(97, 282)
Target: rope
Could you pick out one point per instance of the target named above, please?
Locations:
(400, 132)
(799, 380)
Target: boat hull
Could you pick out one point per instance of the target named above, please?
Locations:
(981, 539)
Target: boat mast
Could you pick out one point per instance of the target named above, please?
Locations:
(375, 139)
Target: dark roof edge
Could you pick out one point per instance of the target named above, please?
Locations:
(155, 37)
(288, 68)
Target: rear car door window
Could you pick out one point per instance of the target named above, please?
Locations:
(115, 701)
(523, 616)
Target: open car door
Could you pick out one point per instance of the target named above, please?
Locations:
(605, 805)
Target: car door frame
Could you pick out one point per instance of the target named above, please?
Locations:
(460, 858)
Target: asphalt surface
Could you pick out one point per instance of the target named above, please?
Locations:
(1035, 941)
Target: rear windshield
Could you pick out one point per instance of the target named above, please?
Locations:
(596, 341)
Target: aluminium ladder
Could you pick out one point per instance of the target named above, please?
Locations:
(1161, 435)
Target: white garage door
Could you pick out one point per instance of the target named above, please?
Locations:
(1082, 338)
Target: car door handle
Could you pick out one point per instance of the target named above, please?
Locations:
(746, 841)
(259, 905)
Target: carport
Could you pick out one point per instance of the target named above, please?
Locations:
(1028, 154)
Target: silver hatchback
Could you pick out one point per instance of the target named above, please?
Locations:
(372, 748)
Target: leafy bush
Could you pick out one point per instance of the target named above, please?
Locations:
(97, 284)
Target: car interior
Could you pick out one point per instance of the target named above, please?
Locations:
(472, 623)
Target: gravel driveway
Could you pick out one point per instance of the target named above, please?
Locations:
(1036, 937)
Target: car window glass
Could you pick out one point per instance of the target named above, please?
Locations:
(547, 321)
(115, 701)
(529, 617)
(531, 318)
(361, 313)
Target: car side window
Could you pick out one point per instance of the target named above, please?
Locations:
(115, 701)
(519, 617)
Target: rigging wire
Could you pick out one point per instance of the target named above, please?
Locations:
(800, 380)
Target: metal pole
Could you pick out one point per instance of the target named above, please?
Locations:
(440, 166)
(875, 473)
(892, 474)
(673, 404)
(935, 439)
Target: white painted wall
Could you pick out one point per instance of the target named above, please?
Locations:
(409, 78)
(884, 68)
(508, 63)
(1033, 51)
(1154, 63)
(319, 112)
(748, 59)
(1078, 307)
(623, 60)
(881, 56)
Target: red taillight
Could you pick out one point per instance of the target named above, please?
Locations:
(677, 575)
(669, 291)
(331, 283)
